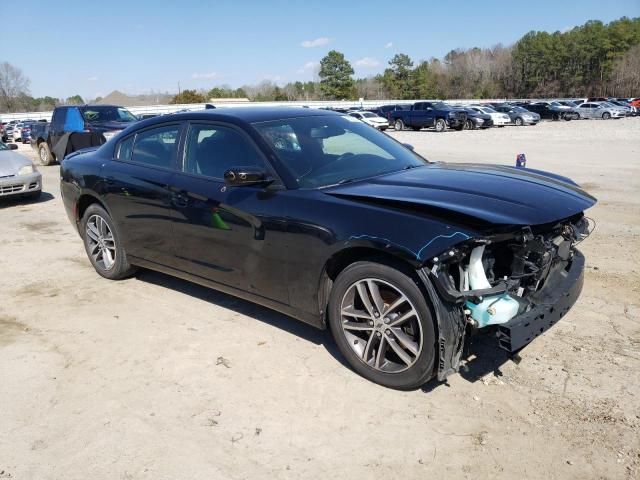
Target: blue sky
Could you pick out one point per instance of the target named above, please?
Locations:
(92, 48)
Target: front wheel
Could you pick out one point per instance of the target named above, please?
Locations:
(45, 154)
(519, 122)
(383, 326)
(606, 116)
(103, 246)
(440, 125)
(398, 125)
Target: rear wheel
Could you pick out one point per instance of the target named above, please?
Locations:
(383, 326)
(45, 154)
(103, 246)
(606, 116)
(398, 124)
(519, 122)
(440, 125)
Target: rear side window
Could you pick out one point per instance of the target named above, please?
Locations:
(155, 147)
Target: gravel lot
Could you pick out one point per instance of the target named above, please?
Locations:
(157, 378)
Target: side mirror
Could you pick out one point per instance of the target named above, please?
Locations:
(12, 146)
(245, 176)
(409, 146)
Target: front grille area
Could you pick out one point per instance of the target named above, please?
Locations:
(7, 189)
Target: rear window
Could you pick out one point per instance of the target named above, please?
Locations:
(106, 113)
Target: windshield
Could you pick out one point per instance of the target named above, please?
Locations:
(369, 115)
(98, 114)
(326, 150)
(520, 109)
(488, 110)
(441, 106)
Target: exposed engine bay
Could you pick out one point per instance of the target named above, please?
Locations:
(520, 281)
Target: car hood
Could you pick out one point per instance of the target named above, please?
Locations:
(496, 194)
(11, 162)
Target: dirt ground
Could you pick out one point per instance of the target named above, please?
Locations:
(157, 378)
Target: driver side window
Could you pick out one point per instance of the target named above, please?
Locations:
(211, 150)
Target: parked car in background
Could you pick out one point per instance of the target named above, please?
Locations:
(76, 127)
(599, 110)
(476, 119)
(8, 131)
(386, 111)
(629, 110)
(519, 115)
(438, 115)
(548, 111)
(499, 119)
(18, 175)
(3, 133)
(569, 103)
(372, 119)
(419, 254)
(17, 132)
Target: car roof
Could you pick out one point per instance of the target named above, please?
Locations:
(243, 114)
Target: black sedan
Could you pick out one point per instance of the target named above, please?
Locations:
(321, 217)
(476, 119)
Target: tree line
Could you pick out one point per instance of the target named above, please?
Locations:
(594, 59)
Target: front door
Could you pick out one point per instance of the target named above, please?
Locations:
(232, 235)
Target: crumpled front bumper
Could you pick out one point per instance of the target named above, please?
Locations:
(556, 300)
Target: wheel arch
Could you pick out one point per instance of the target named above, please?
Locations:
(347, 256)
(84, 201)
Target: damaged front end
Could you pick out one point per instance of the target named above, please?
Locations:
(519, 281)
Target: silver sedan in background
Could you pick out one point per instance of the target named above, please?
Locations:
(601, 110)
(18, 175)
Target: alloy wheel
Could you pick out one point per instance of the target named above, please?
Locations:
(43, 155)
(381, 325)
(102, 245)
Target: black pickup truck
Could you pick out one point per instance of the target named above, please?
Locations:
(78, 126)
(438, 115)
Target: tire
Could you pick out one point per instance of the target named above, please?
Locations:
(469, 125)
(519, 122)
(555, 117)
(459, 128)
(606, 116)
(95, 218)
(398, 125)
(46, 158)
(415, 336)
(440, 125)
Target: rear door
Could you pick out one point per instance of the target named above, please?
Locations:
(232, 235)
(422, 115)
(138, 194)
(56, 129)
